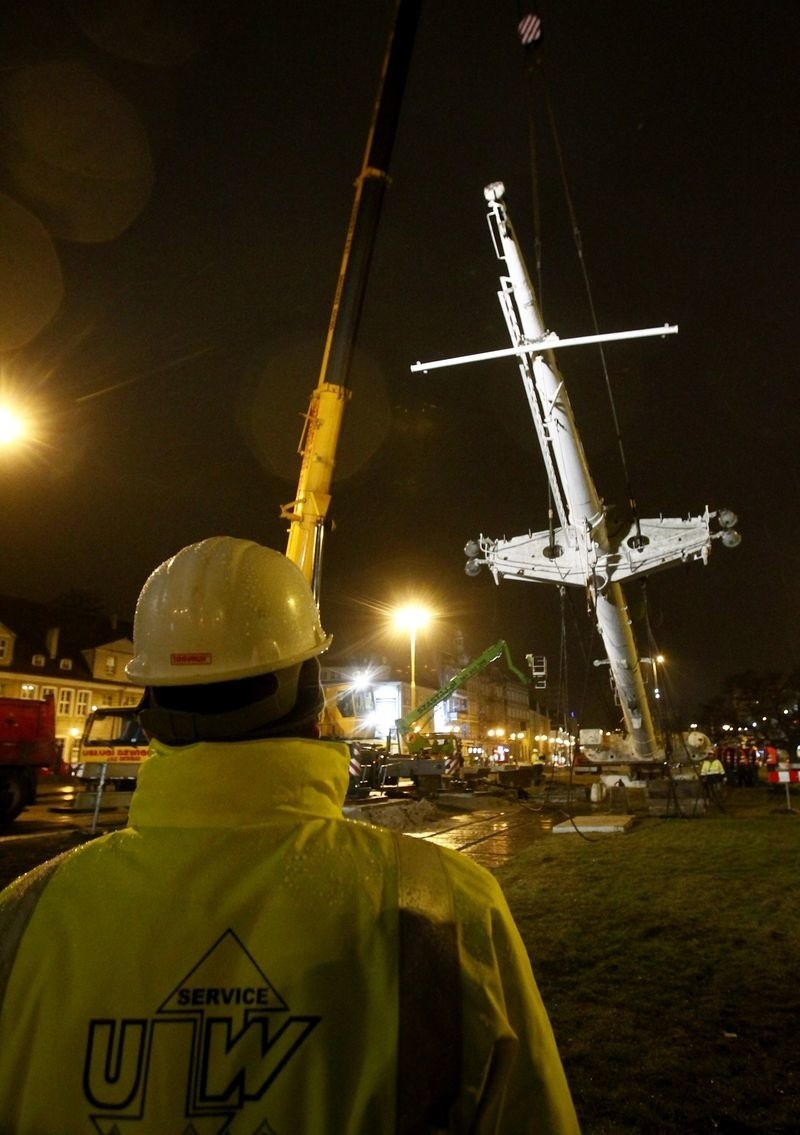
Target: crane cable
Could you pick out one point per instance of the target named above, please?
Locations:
(532, 59)
(674, 743)
(532, 62)
(534, 67)
(563, 672)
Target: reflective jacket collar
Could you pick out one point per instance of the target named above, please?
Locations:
(212, 785)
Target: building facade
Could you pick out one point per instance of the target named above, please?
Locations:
(491, 713)
(74, 655)
(77, 656)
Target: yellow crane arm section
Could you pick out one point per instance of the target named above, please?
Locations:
(317, 449)
(307, 512)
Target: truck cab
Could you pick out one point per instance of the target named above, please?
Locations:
(112, 747)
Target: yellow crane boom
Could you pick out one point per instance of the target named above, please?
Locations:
(307, 513)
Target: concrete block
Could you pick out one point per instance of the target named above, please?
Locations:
(604, 825)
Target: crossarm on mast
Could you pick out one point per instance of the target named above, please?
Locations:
(548, 342)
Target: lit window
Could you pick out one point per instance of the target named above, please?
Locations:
(65, 664)
(111, 665)
(65, 701)
(27, 691)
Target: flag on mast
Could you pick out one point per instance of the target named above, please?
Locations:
(530, 30)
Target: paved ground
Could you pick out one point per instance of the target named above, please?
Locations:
(53, 811)
(491, 837)
(490, 831)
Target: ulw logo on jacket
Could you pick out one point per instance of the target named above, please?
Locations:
(233, 1040)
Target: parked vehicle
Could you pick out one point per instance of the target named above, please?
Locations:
(111, 751)
(27, 744)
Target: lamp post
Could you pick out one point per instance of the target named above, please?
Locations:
(412, 618)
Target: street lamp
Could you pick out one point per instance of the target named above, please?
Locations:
(412, 618)
(12, 427)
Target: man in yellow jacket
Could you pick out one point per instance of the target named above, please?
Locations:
(241, 958)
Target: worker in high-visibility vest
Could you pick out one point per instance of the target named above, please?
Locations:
(242, 956)
(712, 770)
(712, 776)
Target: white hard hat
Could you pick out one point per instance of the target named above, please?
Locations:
(223, 609)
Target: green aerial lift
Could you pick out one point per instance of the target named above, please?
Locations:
(426, 757)
(411, 740)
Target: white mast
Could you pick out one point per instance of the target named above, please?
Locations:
(582, 551)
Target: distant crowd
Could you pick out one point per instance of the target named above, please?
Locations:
(742, 762)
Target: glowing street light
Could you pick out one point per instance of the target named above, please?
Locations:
(12, 426)
(412, 618)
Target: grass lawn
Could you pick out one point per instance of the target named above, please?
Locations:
(669, 960)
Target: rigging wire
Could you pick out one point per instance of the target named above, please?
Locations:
(532, 61)
(529, 29)
(590, 671)
(563, 668)
(535, 67)
(578, 239)
(675, 748)
(667, 715)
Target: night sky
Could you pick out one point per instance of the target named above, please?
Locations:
(177, 180)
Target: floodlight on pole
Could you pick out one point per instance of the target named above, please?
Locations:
(412, 618)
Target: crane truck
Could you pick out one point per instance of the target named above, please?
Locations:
(308, 512)
(107, 755)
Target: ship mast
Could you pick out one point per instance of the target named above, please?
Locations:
(582, 551)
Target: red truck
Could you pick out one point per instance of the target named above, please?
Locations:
(27, 744)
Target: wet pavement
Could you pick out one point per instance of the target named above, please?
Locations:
(491, 835)
(490, 838)
(54, 811)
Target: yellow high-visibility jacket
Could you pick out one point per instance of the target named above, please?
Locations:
(243, 959)
(712, 766)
